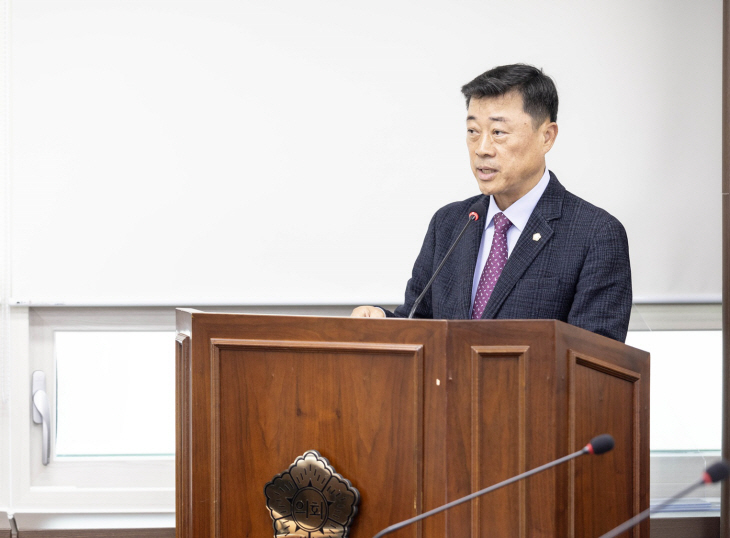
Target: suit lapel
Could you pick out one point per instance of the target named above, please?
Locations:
(548, 208)
(472, 240)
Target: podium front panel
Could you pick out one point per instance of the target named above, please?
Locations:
(359, 405)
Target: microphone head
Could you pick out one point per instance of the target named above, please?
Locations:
(600, 444)
(476, 211)
(716, 472)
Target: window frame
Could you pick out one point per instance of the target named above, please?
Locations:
(139, 484)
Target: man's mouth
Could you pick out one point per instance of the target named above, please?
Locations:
(486, 172)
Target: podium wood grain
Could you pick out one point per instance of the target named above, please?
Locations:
(414, 413)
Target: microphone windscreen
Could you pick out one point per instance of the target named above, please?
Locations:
(716, 472)
(601, 444)
(477, 209)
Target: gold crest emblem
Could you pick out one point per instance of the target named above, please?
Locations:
(311, 500)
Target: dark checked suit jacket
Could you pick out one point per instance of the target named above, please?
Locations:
(577, 271)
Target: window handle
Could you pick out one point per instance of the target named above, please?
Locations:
(42, 411)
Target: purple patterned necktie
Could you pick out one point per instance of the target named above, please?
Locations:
(493, 268)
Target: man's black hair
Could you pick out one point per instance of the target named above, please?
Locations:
(539, 96)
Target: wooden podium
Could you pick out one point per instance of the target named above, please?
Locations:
(414, 413)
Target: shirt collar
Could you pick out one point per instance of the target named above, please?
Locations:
(519, 212)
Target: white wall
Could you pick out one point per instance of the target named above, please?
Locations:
(250, 152)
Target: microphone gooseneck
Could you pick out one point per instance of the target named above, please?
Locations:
(476, 212)
(604, 441)
(716, 472)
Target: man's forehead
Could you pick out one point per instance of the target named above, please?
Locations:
(500, 108)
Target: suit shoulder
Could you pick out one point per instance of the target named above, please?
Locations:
(582, 210)
(558, 202)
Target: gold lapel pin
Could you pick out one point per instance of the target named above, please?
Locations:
(536, 237)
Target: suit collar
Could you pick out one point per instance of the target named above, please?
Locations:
(550, 205)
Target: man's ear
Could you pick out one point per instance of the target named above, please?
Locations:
(549, 134)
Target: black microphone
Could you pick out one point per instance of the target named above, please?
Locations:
(715, 473)
(598, 445)
(476, 212)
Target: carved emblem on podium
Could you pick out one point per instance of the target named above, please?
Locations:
(311, 500)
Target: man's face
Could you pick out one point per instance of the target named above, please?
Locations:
(506, 150)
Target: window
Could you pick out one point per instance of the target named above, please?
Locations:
(107, 360)
(686, 401)
(115, 393)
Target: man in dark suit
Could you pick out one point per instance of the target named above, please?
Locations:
(541, 252)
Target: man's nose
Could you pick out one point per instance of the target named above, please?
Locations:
(485, 146)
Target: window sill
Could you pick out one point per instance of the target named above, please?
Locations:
(102, 525)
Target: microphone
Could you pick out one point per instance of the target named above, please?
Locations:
(716, 472)
(476, 212)
(598, 445)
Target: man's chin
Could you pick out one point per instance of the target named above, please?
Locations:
(487, 188)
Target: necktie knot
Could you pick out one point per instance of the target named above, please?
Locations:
(501, 223)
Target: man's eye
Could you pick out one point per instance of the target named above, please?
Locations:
(498, 133)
